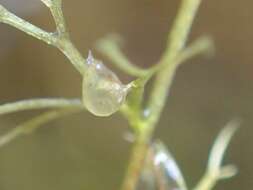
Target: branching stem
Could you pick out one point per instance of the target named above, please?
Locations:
(9, 18)
(59, 39)
(143, 120)
(215, 171)
(176, 43)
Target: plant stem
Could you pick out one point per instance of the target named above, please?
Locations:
(39, 104)
(64, 42)
(162, 84)
(110, 47)
(215, 171)
(56, 9)
(138, 155)
(71, 52)
(59, 39)
(9, 18)
(30, 125)
(176, 43)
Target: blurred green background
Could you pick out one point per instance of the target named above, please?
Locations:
(86, 152)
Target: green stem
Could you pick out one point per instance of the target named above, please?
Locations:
(176, 43)
(39, 104)
(109, 46)
(159, 94)
(71, 52)
(56, 10)
(137, 158)
(60, 39)
(9, 18)
(215, 171)
(29, 126)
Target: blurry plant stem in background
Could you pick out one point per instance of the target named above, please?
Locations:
(215, 171)
(142, 117)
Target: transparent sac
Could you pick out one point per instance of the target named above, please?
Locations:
(160, 171)
(103, 92)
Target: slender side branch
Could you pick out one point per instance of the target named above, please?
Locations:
(109, 46)
(55, 7)
(64, 43)
(215, 171)
(29, 126)
(203, 45)
(9, 18)
(40, 104)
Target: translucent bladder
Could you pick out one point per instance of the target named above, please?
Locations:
(103, 92)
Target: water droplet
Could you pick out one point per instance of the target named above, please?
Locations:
(103, 92)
